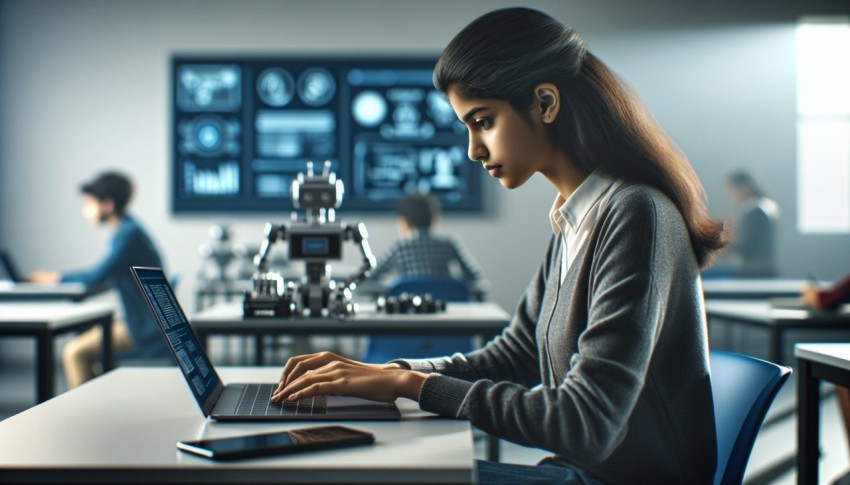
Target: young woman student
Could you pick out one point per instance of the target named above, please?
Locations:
(605, 362)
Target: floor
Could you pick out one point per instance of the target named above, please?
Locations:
(770, 463)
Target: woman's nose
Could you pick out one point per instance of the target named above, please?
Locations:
(477, 151)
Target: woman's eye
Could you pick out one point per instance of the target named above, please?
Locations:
(483, 123)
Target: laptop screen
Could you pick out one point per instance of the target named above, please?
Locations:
(9, 270)
(192, 360)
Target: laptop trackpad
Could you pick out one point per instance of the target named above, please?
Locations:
(228, 401)
(349, 405)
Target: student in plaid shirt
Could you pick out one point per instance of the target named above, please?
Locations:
(419, 251)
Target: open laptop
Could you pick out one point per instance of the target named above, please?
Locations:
(9, 268)
(238, 402)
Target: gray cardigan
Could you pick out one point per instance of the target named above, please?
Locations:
(609, 371)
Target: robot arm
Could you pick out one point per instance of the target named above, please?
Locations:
(272, 233)
(360, 236)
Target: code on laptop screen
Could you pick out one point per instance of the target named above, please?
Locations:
(187, 349)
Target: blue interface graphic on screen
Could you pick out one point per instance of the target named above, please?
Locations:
(244, 128)
(187, 349)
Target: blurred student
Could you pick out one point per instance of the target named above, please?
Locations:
(420, 252)
(830, 299)
(752, 250)
(105, 201)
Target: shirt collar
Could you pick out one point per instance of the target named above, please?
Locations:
(571, 213)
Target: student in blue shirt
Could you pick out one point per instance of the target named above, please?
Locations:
(105, 202)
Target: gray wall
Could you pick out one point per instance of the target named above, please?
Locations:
(83, 86)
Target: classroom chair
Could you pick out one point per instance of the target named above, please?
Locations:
(744, 388)
(385, 348)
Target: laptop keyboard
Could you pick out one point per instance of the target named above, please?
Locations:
(256, 402)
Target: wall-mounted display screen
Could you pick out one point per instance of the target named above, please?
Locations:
(244, 127)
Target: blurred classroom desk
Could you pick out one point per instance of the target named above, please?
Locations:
(752, 288)
(210, 292)
(775, 321)
(124, 425)
(45, 321)
(815, 362)
(46, 292)
(371, 290)
(485, 320)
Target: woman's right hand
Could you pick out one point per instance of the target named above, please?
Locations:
(301, 364)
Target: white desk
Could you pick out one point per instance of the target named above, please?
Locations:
(753, 288)
(485, 319)
(815, 362)
(45, 321)
(123, 426)
(776, 321)
(46, 292)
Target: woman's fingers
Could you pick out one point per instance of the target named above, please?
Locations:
(302, 382)
(288, 368)
(317, 389)
(301, 364)
(337, 374)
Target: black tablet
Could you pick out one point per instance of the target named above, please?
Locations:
(283, 442)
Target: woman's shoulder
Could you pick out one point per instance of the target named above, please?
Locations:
(640, 198)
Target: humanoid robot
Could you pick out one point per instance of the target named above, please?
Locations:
(316, 239)
(223, 261)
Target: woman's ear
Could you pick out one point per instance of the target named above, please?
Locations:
(548, 101)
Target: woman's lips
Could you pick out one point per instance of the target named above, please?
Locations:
(495, 170)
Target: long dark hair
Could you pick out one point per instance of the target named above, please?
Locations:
(602, 125)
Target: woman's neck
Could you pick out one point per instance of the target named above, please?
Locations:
(564, 175)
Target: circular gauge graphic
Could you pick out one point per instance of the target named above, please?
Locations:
(316, 87)
(209, 136)
(369, 108)
(276, 87)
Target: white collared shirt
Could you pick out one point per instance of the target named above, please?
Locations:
(574, 218)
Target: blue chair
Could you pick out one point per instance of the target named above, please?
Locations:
(744, 388)
(385, 348)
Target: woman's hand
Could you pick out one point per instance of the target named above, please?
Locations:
(326, 373)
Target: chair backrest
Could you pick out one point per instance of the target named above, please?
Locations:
(383, 348)
(743, 388)
(443, 288)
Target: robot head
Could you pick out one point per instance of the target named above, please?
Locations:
(316, 192)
